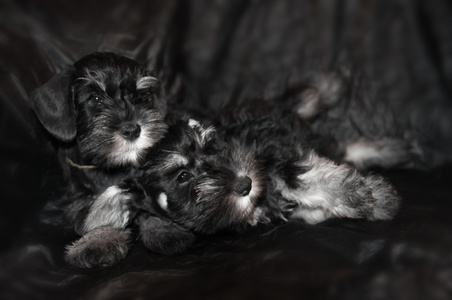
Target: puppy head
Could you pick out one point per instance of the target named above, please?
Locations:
(109, 104)
(197, 185)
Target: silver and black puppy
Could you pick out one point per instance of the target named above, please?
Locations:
(250, 169)
(105, 112)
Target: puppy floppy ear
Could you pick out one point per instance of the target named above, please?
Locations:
(163, 236)
(54, 107)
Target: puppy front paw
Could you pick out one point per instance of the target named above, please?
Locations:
(101, 247)
(164, 237)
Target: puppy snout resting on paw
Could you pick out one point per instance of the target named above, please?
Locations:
(200, 180)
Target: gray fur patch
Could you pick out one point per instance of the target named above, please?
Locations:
(384, 153)
(109, 209)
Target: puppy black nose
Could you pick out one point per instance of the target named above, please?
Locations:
(130, 131)
(243, 186)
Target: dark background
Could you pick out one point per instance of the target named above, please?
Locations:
(210, 53)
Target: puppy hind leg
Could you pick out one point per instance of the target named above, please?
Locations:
(329, 190)
(384, 153)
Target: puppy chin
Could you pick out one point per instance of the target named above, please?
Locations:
(244, 204)
(125, 158)
(246, 207)
(129, 152)
(244, 210)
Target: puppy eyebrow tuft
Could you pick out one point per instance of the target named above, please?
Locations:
(98, 78)
(175, 161)
(203, 132)
(146, 82)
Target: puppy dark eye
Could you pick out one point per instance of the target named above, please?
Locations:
(211, 148)
(183, 177)
(94, 99)
(146, 94)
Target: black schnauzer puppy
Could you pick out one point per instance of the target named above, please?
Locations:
(105, 112)
(251, 169)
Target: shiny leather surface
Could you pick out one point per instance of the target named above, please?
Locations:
(222, 51)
